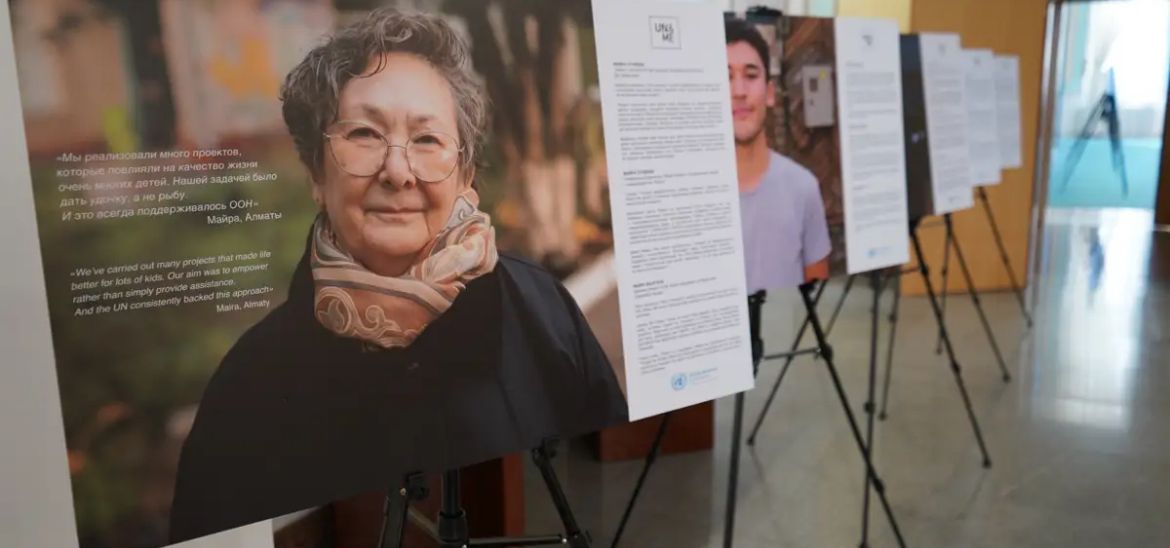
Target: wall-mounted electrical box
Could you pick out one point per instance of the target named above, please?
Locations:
(820, 103)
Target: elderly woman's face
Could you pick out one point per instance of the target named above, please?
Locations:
(385, 219)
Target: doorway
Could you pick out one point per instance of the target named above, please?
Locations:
(1110, 103)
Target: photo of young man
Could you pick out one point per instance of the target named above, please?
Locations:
(785, 232)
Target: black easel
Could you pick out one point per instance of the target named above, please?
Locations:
(789, 356)
(956, 370)
(1104, 111)
(396, 507)
(893, 274)
(796, 342)
(945, 272)
(872, 478)
(755, 309)
(794, 353)
(647, 464)
(826, 352)
(755, 302)
(1003, 254)
(893, 320)
(944, 342)
(953, 242)
(755, 305)
(451, 528)
(840, 304)
(878, 282)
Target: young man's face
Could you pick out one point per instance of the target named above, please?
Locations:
(751, 92)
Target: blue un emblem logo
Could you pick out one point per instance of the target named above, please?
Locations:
(678, 381)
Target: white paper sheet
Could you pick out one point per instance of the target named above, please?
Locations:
(983, 135)
(946, 121)
(869, 90)
(1007, 97)
(675, 205)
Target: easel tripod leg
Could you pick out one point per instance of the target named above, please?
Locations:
(1114, 123)
(452, 522)
(1078, 148)
(575, 537)
(755, 313)
(651, 457)
(451, 529)
(955, 369)
(946, 269)
(1003, 255)
(875, 312)
(890, 345)
(978, 304)
(751, 440)
(827, 354)
(840, 303)
(396, 508)
(733, 474)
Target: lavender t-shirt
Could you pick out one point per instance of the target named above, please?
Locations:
(784, 226)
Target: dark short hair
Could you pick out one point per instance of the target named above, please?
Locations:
(739, 30)
(311, 90)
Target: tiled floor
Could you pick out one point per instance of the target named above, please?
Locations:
(1080, 438)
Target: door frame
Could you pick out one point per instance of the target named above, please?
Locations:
(1043, 149)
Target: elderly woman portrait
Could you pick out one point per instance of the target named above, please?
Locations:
(407, 342)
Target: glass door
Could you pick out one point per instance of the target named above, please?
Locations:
(1110, 102)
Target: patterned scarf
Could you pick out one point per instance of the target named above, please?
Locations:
(391, 312)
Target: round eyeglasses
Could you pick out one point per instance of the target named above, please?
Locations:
(361, 151)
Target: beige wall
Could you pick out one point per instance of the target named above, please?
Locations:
(894, 9)
(81, 77)
(1005, 26)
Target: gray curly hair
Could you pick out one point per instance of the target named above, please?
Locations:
(310, 91)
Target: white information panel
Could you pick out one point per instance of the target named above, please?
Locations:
(869, 67)
(1007, 98)
(946, 121)
(983, 136)
(675, 202)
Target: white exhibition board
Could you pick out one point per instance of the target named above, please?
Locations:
(36, 503)
(684, 317)
(946, 121)
(873, 167)
(1007, 97)
(683, 293)
(982, 114)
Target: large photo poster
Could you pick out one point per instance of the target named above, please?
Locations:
(296, 249)
(819, 147)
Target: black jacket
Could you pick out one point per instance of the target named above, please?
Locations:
(296, 416)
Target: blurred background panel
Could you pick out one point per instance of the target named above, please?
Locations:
(227, 59)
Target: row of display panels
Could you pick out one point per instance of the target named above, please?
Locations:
(281, 241)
